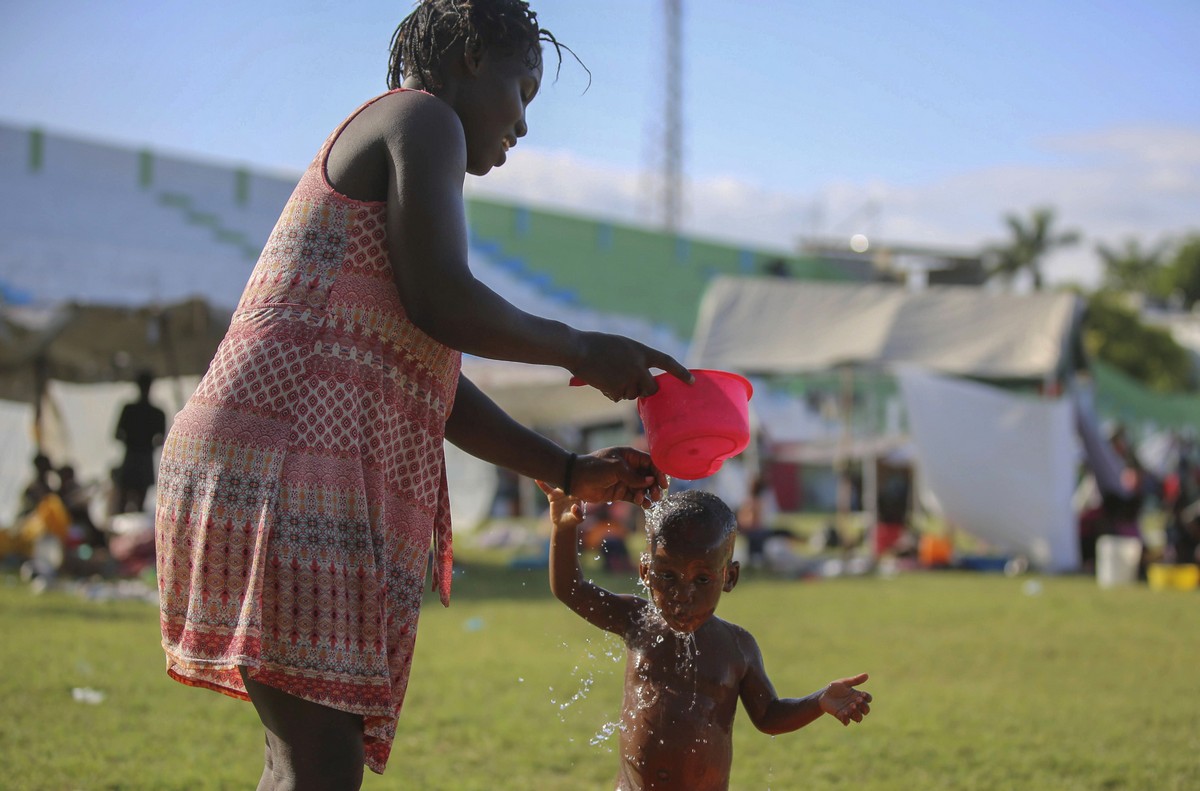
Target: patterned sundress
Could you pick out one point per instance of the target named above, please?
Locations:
(302, 485)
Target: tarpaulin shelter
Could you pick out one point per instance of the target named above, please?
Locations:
(773, 326)
(65, 370)
(87, 343)
(769, 326)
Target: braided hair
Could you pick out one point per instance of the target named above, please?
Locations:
(431, 31)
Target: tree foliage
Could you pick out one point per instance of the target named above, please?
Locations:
(1114, 333)
(1133, 267)
(1030, 242)
(1181, 276)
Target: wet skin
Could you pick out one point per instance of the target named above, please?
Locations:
(685, 668)
(681, 694)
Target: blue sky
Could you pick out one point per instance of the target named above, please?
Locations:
(917, 122)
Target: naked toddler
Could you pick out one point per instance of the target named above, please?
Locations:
(685, 668)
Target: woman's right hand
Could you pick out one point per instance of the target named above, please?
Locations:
(619, 367)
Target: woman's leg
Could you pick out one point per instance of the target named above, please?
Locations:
(309, 746)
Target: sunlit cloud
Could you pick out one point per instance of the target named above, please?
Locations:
(1141, 182)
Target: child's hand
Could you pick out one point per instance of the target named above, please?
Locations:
(565, 511)
(845, 702)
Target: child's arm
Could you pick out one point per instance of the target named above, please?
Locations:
(427, 248)
(609, 611)
(772, 714)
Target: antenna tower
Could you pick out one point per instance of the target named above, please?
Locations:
(672, 142)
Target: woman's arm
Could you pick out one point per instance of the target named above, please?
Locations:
(483, 429)
(480, 427)
(427, 246)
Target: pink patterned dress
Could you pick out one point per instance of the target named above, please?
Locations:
(301, 487)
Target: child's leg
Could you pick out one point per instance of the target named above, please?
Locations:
(309, 746)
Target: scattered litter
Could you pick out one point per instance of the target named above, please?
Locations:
(87, 695)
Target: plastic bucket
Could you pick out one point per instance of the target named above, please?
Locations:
(1117, 559)
(1163, 576)
(692, 429)
(934, 551)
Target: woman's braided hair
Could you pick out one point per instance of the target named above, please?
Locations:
(431, 31)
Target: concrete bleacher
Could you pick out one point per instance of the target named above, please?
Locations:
(87, 221)
(618, 269)
(82, 220)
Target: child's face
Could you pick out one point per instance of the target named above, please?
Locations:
(686, 581)
(491, 103)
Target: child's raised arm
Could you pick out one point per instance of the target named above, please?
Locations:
(772, 714)
(610, 611)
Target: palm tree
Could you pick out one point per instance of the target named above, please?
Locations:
(1132, 268)
(1031, 242)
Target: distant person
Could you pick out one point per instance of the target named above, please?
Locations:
(1181, 502)
(755, 520)
(685, 668)
(893, 531)
(312, 451)
(78, 504)
(141, 427)
(40, 486)
(605, 531)
(777, 267)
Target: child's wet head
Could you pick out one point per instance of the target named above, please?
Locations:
(691, 523)
(689, 558)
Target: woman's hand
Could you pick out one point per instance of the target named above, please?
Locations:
(622, 473)
(619, 367)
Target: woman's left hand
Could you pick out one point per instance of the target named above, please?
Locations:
(621, 473)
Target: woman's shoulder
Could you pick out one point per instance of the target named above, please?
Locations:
(405, 126)
(407, 113)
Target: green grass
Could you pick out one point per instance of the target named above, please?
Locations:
(978, 685)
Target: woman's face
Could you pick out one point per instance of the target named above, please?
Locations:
(491, 103)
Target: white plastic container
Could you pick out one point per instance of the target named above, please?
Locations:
(1117, 559)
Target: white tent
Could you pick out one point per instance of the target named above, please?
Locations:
(1002, 465)
(773, 326)
(967, 437)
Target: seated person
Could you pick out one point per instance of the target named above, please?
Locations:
(677, 717)
(39, 487)
(754, 518)
(77, 501)
(605, 532)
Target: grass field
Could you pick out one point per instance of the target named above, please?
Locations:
(980, 682)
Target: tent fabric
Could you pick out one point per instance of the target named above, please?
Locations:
(1010, 483)
(775, 326)
(1121, 398)
(88, 343)
(80, 431)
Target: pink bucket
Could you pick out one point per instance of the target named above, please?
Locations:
(692, 429)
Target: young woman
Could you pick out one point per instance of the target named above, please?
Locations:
(302, 485)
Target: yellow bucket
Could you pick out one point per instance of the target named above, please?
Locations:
(1165, 576)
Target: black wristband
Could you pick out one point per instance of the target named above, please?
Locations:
(567, 477)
